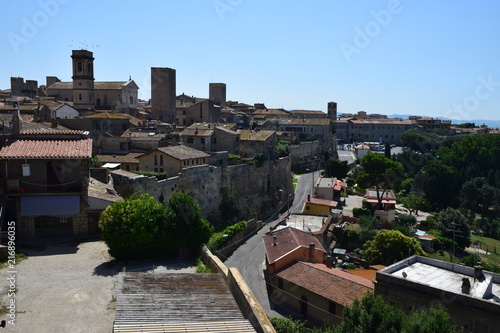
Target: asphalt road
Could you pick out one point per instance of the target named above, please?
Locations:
(249, 257)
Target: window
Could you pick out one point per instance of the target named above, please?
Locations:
(156, 169)
(161, 159)
(79, 66)
(280, 283)
(156, 160)
(202, 140)
(214, 140)
(189, 140)
(89, 68)
(161, 169)
(79, 97)
(131, 100)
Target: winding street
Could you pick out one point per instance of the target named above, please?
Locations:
(249, 257)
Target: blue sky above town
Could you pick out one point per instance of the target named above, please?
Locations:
(434, 58)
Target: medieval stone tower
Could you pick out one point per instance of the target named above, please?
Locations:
(332, 110)
(83, 80)
(163, 95)
(217, 93)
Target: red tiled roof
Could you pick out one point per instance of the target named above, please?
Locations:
(288, 240)
(46, 149)
(331, 283)
(55, 132)
(368, 274)
(322, 202)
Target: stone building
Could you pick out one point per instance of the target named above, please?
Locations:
(20, 88)
(200, 112)
(470, 295)
(210, 137)
(163, 95)
(217, 93)
(46, 176)
(88, 95)
(255, 142)
(172, 160)
(372, 128)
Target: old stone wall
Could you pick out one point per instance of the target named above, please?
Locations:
(256, 191)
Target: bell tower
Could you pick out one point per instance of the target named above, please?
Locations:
(83, 80)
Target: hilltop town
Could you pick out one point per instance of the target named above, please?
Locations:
(318, 191)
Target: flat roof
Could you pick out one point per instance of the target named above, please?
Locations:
(307, 223)
(446, 276)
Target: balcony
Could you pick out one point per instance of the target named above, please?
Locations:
(18, 185)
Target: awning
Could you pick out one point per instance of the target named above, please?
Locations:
(111, 165)
(383, 201)
(50, 205)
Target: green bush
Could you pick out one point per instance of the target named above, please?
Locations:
(140, 227)
(358, 212)
(157, 175)
(219, 240)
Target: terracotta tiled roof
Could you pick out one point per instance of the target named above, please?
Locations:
(52, 131)
(288, 240)
(182, 152)
(251, 135)
(46, 149)
(368, 274)
(331, 283)
(97, 85)
(322, 202)
(204, 131)
(382, 121)
(316, 112)
(305, 122)
(105, 115)
(123, 158)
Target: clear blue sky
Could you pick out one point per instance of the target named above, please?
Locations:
(436, 58)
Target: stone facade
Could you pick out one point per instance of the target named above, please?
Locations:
(163, 86)
(256, 190)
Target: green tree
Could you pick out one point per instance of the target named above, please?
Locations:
(390, 246)
(380, 172)
(372, 314)
(336, 168)
(288, 325)
(95, 162)
(130, 228)
(368, 225)
(185, 217)
(477, 195)
(414, 203)
(407, 220)
(453, 225)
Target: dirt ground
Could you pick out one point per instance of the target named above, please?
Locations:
(68, 287)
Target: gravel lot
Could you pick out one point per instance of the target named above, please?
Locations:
(69, 287)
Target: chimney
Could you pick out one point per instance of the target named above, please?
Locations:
(329, 261)
(478, 272)
(16, 120)
(465, 286)
(311, 251)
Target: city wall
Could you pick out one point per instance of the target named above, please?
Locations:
(255, 191)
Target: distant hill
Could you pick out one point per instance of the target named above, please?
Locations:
(478, 122)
